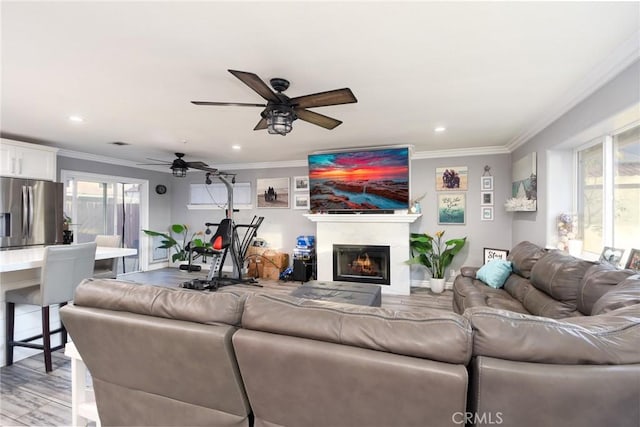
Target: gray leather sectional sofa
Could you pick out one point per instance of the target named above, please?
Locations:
(161, 356)
(543, 357)
(558, 345)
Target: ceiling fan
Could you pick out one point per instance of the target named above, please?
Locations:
(280, 110)
(179, 166)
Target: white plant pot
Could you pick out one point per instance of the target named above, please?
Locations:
(436, 285)
(575, 247)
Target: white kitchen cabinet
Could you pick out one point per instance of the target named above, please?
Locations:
(19, 159)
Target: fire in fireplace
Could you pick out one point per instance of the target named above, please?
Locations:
(362, 263)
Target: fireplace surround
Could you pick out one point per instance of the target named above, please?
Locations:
(390, 230)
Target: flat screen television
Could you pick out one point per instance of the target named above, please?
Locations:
(368, 180)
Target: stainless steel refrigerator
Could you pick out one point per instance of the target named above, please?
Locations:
(30, 212)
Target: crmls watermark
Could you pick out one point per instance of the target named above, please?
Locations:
(484, 418)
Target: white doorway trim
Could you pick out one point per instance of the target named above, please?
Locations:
(143, 251)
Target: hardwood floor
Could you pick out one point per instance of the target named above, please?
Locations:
(29, 396)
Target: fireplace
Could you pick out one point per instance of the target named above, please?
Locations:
(362, 263)
(366, 229)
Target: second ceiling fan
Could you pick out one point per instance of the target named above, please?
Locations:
(280, 110)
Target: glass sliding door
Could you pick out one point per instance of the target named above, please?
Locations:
(106, 205)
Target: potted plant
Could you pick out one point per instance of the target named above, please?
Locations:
(435, 254)
(180, 247)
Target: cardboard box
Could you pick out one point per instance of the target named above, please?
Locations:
(276, 259)
(271, 272)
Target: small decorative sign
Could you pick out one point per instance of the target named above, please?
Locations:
(490, 254)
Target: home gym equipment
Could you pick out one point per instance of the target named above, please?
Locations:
(225, 241)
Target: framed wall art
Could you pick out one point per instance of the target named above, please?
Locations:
(452, 208)
(524, 185)
(486, 183)
(489, 254)
(451, 178)
(272, 193)
(301, 183)
(486, 213)
(300, 201)
(486, 198)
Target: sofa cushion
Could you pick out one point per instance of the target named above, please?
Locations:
(494, 273)
(524, 256)
(171, 303)
(612, 338)
(558, 275)
(598, 280)
(624, 294)
(470, 292)
(434, 334)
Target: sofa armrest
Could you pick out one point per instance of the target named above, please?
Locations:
(612, 338)
(469, 271)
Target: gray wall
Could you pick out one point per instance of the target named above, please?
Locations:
(159, 205)
(281, 226)
(618, 95)
(480, 234)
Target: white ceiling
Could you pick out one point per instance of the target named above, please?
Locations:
(493, 73)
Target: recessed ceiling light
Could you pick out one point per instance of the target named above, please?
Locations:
(236, 147)
(440, 129)
(76, 119)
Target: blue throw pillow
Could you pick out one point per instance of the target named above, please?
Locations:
(494, 273)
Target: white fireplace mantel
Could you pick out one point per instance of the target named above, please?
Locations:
(366, 229)
(408, 218)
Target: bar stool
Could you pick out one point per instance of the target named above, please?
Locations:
(63, 268)
(107, 268)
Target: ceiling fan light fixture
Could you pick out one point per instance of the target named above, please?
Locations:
(279, 119)
(178, 172)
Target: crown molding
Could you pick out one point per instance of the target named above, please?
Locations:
(616, 62)
(435, 154)
(111, 160)
(461, 152)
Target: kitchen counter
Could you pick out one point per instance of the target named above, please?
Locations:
(24, 259)
(20, 268)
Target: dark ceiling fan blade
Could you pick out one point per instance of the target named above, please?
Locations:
(256, 83)
(233, 104)
(197, 165)
(154, 164)
(323, 99)
(317, 119)
(262, 124)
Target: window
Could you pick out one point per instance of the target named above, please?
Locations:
(609, 191)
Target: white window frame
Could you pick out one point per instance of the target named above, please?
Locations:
(606, 140)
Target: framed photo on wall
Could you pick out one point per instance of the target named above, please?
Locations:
(486, 198)
(451, 208)
(452, 178)
(486, 183)
(301, 183)
(301, 201)
(489, 254)
(486, 213)
(272, 193)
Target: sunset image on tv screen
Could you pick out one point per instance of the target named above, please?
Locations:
(359, 180)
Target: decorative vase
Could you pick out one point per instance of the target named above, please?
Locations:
(436, 285)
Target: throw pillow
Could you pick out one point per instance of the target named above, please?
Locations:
(494, 273)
